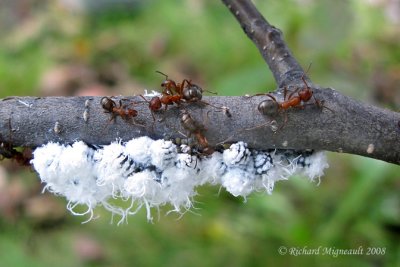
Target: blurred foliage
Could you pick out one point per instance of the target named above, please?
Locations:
(354, 47)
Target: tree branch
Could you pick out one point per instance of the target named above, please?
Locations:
(351, 127)
(345, 125)
(288, 72)
(269, 41)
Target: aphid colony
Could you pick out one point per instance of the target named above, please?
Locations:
(172, 93)
(153, 173)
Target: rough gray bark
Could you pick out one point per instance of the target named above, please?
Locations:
(345, 125)
(351, 127)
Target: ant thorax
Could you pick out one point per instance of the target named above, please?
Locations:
(152, 173)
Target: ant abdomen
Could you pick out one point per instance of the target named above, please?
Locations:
(268, 107)
(107, 103)
(192, 93)
(155, 104)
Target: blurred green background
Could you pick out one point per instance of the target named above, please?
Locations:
(111, 47)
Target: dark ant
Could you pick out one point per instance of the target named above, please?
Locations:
(111, 107)
(192, 93)
(196, 129)
(23, 158)
(7, 151)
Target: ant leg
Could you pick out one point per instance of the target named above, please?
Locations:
(154, 120)
(274, 99)
(144, 99)
(211, 92)
(182, 85)
(284, 122)
(302, 77)
(113, 116)
(211, 105)
(260, 94)
(120, 104)
(259, 126)
(285, 92)
(138, 124)
(165, 115)
(321, 105)
(304, 81)
(292, 93)
(304, 73)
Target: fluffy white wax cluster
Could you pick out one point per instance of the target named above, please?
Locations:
(152, 173)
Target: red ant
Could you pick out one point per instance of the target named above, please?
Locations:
(177, 92)
(303, 95)
(197, 129)
(190, 93)
(111, 107)
(154, 104)
(170, 85)
(295, 99)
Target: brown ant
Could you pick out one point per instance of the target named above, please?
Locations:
(170, 85)
(196, 129)
(293, 100)
(186, 91)
(190, 93)
(296, 99)
(122, 110)
(155, 104)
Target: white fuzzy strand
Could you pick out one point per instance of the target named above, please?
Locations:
(153, 173)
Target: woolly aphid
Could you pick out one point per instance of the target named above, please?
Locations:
(153, 173)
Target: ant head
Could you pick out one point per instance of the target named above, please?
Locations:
(133, 112)
(305, 94)
(167, 82)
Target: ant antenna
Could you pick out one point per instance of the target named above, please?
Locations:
(304, 74)
(308, 69)
(166, 76)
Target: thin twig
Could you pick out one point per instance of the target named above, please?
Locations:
(269, 41)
